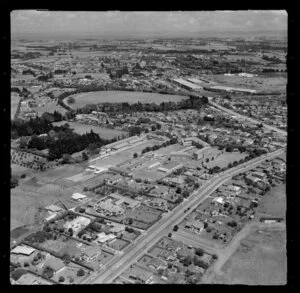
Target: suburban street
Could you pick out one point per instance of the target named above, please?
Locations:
(120, 263)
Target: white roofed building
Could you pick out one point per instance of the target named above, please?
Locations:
(22, 249)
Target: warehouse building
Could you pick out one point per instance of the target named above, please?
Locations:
(187, 85)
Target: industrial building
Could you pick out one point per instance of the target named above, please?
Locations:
(187, 85)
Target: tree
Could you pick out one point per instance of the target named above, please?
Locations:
(66, 258)
(70, 231)
(22, 143)
(130, 221)
(71, 100)
(185, 193)
(187, 260)
(61, 279)
(199, 251)
(135, 155)
(175, 228)
(85, 157)
(80, 273)
(48, 272)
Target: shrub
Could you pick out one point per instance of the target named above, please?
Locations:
(26, 264)
(17, 274)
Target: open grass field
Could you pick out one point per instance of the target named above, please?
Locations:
(25, 207)
(118, 244)
(260, 260)
(224, 159)
(274, 202)
(37, 190)
(83, 99)
(261, 83)
(50, 107)
(104, 133)
(14, 102)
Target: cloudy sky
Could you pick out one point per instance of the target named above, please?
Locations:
(116, 23)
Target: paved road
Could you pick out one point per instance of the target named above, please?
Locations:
(120, 264)
(247, 118)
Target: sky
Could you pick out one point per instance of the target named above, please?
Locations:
(144, 23)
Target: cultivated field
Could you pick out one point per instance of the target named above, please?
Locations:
(14, 102)
(83, 99)
(104, 133)
(260, 260)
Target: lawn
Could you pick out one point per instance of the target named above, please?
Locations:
(224, 159)
(274, 202)
(144, 213)
(104, 133)
(83, 99)
(50, 107)
(260, 260)
(118, 244)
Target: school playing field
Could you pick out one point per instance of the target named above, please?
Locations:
(104, 133)
(14, 102)
(83, 99)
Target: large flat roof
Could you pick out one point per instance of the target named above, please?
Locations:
(186, 83)
(23, 250)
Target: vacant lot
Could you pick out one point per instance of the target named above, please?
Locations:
(261, 83)
(118, 244)
(25, 207)
(14, 102)
(104, 133)
(274, 202)
(120, 97)
(260, 260)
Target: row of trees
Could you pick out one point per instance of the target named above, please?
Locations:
(157, 147)
(69, 143)
(193, 102)
(38, 125)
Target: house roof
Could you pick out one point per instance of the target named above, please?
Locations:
(23, 250)
(53, 208)
(77, 195)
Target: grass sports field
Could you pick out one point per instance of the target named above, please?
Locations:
(104, 133)
(14, 102)
(83, 99)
